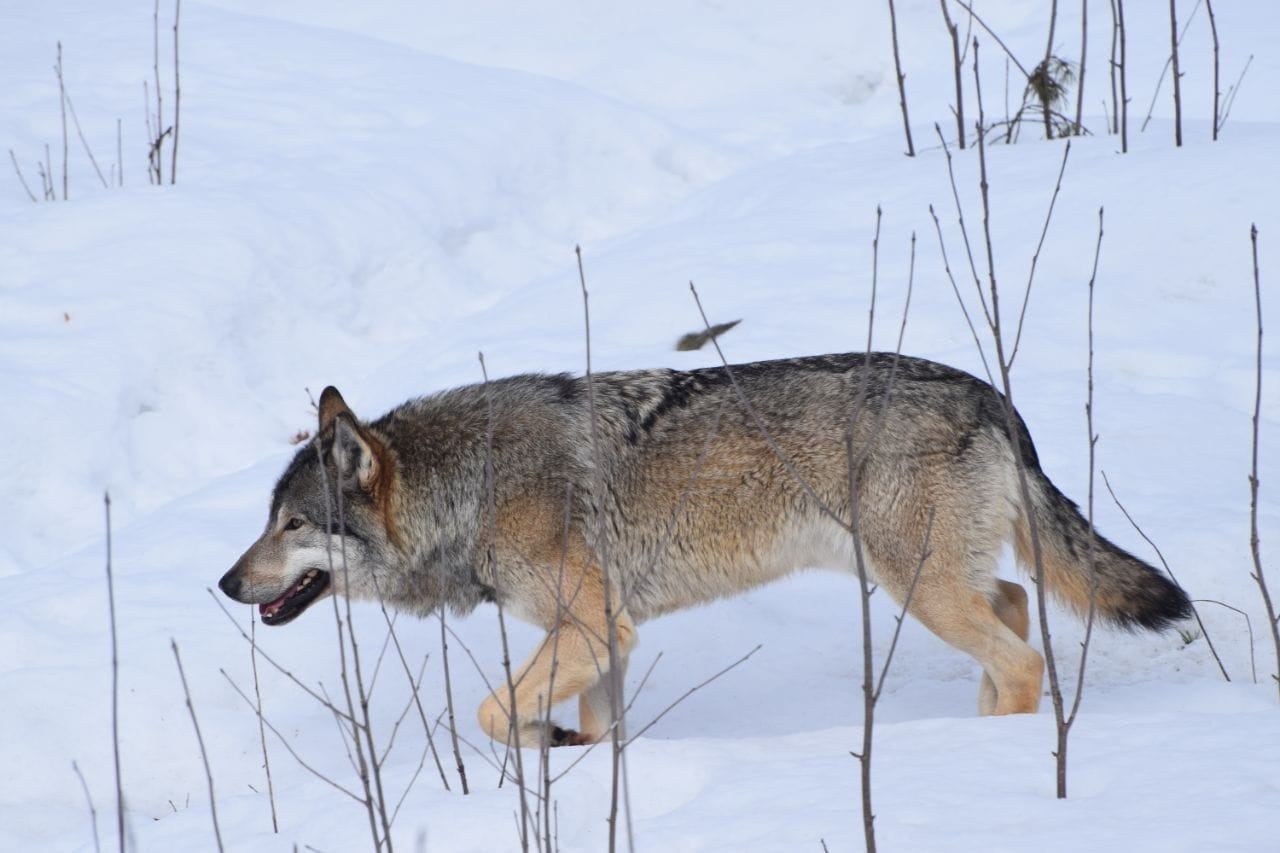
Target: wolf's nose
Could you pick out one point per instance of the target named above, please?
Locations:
(230, 585)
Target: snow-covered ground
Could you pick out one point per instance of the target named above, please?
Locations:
(368, 194)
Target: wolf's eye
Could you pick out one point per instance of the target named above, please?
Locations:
(293, 523)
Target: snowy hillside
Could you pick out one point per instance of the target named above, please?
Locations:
(370, 194)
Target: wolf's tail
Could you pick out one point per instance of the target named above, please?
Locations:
(1129, 592)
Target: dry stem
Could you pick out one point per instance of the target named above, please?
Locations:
(204, 755)
(1254, 546)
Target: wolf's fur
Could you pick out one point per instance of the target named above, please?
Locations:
(702, 497)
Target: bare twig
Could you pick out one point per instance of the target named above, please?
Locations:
(262, 734)
(1024, 492)
(692, 690)
(362, 766)
(177, 95)
(157, 166)
(1093, 539)
(115, 680)
(286, 673)
(204, 755)
(491, 533)
(1084, 52)
(1177, 75)
(1168, 571)
(1121, 66)
(84, 142)
(1035, 258)
(93, 812)
(1217, 87)
(954, 31)
(616, 722)
(1114, 125)
(902, 87)
(974, 15)
(285, 743)
(1248, 624)
(1168, 63)
(62, 101)
(18, 171)
(1254, 546)
(1233, 91)
(925, 553)
(1048, 54)
(448, 698)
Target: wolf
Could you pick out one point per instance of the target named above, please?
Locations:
(588, 505)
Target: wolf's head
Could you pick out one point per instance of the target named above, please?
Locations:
(331, 526)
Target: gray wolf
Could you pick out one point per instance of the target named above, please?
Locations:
(676, 493)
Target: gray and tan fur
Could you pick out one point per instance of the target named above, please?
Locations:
(698, 502)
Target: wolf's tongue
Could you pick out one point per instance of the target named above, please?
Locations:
(272, 606)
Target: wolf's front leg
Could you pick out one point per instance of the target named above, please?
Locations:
(571, 660)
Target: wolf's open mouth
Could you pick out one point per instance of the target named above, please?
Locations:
(296, 599)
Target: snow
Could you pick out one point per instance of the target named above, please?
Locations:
(369, 194)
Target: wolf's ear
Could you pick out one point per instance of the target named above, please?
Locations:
(357, 455)
(332, 405)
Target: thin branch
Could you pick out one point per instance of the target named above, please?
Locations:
(513, 714)
(1168, 571)
(204, 755)
(1124, 95)
(925, 554)
(1233, 91)
(1035, 258)
(1177, 75)
(286, 673)
(964, 231)
(155, 55)
(1217, 86)
(343, 636)
(960, 299)
(902, 86)
(115, 680)
(18, 170)
(262, 735)
(1168, 63)
(618, 764)
(1248, 624)
(1084, 45)
(1092, 560)
(62, 101)
(1254, 545)
(177, 95)
(285, 743)
(954, 31)
(93, 812)
(992, 33)
(692, 690)
(84, 142)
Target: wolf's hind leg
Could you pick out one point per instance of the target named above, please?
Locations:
(969, 620)
(572, 660)
(1011, 606)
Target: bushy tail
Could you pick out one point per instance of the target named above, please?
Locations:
(1130, 593)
